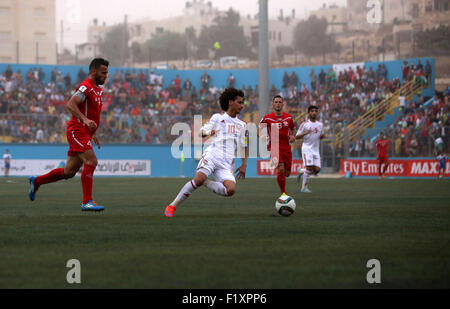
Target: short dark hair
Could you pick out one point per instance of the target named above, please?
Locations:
(97, 63)
(277, 96)
(311, 107)
(230, 94)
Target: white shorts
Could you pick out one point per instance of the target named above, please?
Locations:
(220, 170)
(311, 158)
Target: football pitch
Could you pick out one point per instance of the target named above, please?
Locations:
(238, 242)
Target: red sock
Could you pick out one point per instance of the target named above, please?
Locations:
(52, 176)
(87, 181)
(281, 179)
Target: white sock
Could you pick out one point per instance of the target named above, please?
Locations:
(216, 187)
(185, 192)
(305, 176)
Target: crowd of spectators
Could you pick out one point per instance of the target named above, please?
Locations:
(416, 131)
(137, 109)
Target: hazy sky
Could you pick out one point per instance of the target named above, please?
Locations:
(77, 14)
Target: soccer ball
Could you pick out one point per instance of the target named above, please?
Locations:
(285, 205)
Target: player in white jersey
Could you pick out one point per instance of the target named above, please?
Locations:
(229, 140)
(7, 159)
(311, 131)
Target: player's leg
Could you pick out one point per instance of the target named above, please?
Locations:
(309, 171)
(281, 177)
(301, 170)
(287, 160)
(73, 163)
(90, 161)
(386, 166)
(313, 168)
(380, 168)
(308, 162)
(198, 180)
(230, 185)
(317, 165)
(224, 184)
(285, 170)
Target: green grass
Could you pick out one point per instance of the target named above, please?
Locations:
(216, 242)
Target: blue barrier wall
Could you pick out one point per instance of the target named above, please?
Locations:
(163, 164)
(242, 77)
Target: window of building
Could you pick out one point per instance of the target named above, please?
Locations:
(5, 37)
(39, 36)
(5, 59)
(279, 36)
(39, 11)
(415, 10)
(5, 11)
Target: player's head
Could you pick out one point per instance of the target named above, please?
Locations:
(7, 151)
(313, 112)
(232, 99)
(98, 69)
(277, 103)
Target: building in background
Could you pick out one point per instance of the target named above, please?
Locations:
(281, 31)
(28, 31)
(430, 14)
(335, 16)
(199, 13)
(394, 11)
(196, 13)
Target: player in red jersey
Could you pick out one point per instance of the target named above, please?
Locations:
(85, 106)
(280, 151)
(382, 157)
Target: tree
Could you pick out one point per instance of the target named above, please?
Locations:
(282, 51)
(311, 38)
(114, 46)
(136, 52)
(225, 30)
(166, 46)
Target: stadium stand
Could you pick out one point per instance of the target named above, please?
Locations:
(138, 108)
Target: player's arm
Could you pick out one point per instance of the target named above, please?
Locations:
(96, 140)
(292, 132)
(261, 130)
(301, 134)
(241, 169)
(209, 128)
(244, 150)
(72, 106)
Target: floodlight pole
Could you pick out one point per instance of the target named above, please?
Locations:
(263, 58)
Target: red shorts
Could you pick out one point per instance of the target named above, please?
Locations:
(284, 157)
(79, 142)
(383, 159)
